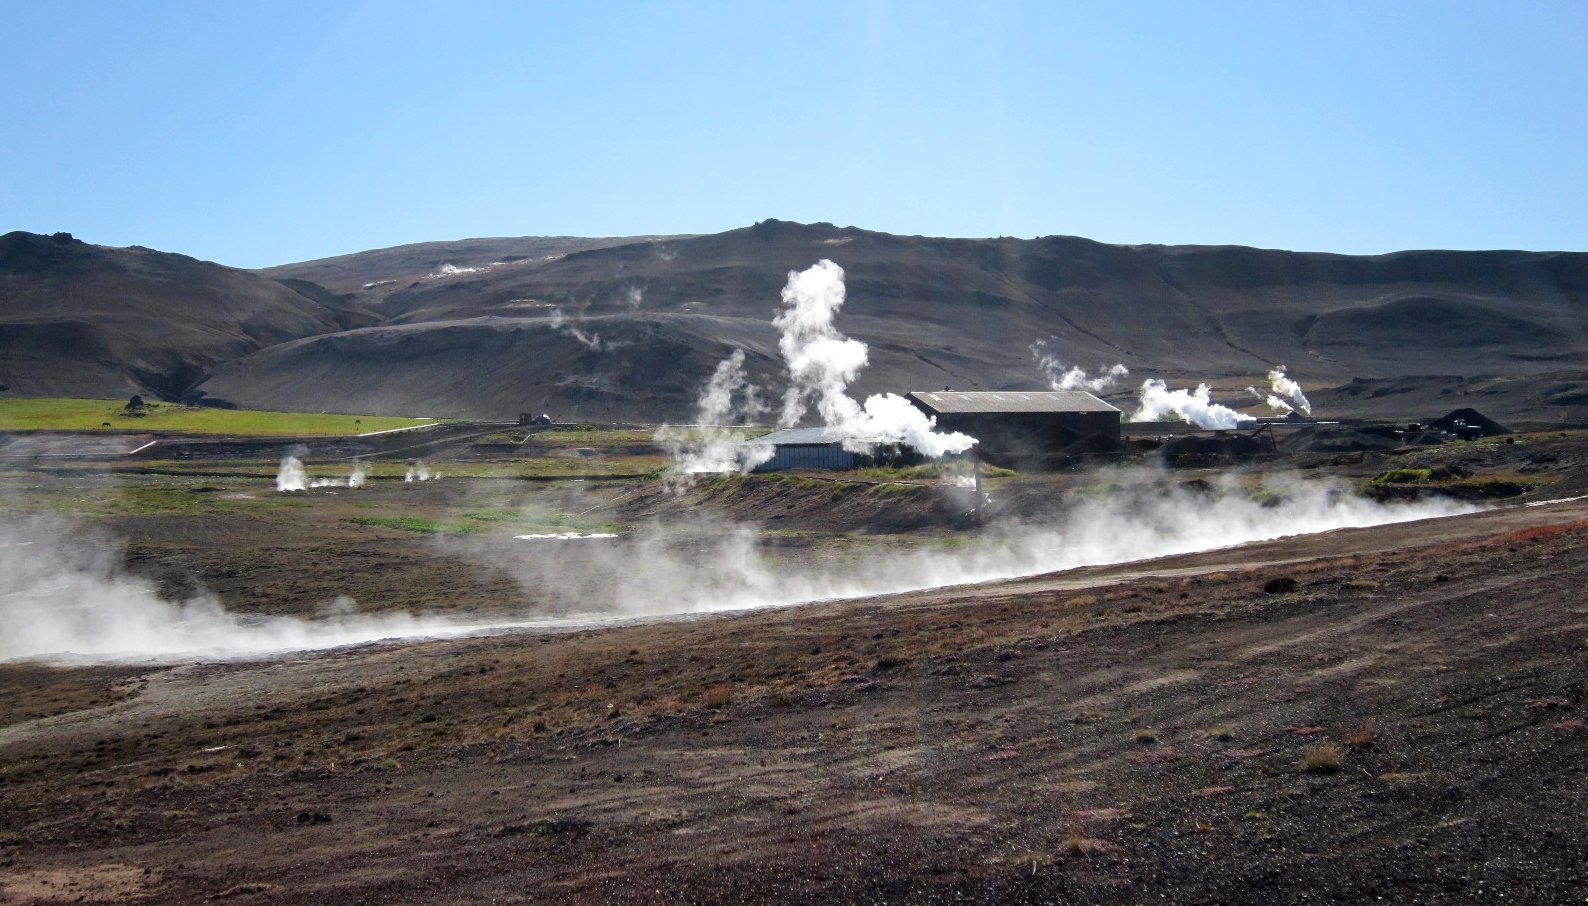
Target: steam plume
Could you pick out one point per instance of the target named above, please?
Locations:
(707, 446)
(1158, 403)
(822, 362)
(1074, 377)
(291, 476)
(1285, 387)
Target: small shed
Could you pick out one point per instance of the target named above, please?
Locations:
(1025, 426)
(821, 448)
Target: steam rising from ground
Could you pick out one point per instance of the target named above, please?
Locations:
(590, 341)
(822, 362)
(669, 570)
(64, 591)
(707, 446)
(1074, 377)
(292, 476)
(420, 471)
(1160, 404)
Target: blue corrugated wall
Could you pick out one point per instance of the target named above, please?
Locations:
(822, 456)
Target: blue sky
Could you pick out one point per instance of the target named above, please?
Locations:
(261, 133)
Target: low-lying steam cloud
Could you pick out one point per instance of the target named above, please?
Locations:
(673, 570)
(64, 594)
(1159, 404)
(1074, 377)
(420, 471)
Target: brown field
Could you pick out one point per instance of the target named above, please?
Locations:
(1392, 712)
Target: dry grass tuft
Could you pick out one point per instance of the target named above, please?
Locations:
(1077, 844)
(718, 696)
(1322, 758)
(1363, 736)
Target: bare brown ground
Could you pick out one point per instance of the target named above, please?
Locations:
(1118, 734)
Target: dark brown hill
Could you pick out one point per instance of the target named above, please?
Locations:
(87, 320)
(964, 312)
(631, 328)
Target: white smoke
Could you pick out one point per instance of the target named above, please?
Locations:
(560, 322)
(420, 471)
(729, 398)
(1285, 387)
(360, 472)
(822, 362)
(663, 570)
(1273, 402)
(291, 476)
(634, 296)
(1074, 377)
(65, 596)
(1158, 403)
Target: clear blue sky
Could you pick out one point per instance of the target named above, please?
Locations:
(266, 132)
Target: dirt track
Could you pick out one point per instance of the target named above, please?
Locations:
(1113, 734)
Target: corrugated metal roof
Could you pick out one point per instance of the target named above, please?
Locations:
(947, 401)
(800, 436)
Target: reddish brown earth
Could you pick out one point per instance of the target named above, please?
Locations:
(1120, 734)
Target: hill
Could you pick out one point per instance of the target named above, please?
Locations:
(86, 320)
(631, 328)
(1409, 329)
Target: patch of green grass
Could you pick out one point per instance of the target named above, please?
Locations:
(416, 524)
(64, 414)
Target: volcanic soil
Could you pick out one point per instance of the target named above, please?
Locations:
(1392, 712)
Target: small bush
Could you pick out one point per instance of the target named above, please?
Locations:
(718, 696)
(1222, 734)
(1363, 736)
(1322, 758)
(1146, 736)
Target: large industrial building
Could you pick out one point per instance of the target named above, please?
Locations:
(1021, 429)
(1025, 427)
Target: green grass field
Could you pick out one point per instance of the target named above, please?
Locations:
(88, 415)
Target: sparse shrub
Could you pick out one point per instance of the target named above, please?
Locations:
(1146, 736)
(718, 696)
(1279, 585)
(1322, 758)
(1363, 736)
(1222, 734)
(1077, 844)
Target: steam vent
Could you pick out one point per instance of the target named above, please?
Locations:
(1021, 428)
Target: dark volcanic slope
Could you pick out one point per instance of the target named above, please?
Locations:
(86, 320)
(631, 328)
(961, 312)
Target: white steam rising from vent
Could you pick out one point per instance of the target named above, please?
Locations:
(822, 362)
(1160, 404)
(291, 475)
(1074, 377)
(420, 471)
(1285, 395)
(707, 446)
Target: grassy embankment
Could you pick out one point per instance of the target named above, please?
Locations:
(59, 414)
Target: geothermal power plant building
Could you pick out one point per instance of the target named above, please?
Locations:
(1020, 427)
